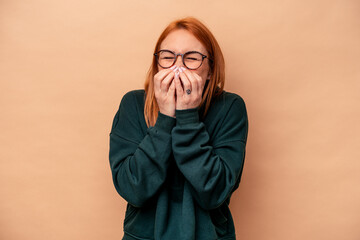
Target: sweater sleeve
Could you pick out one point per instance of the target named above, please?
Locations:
(213, 168)
(138, 161)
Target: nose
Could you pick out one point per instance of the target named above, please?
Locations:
(178, 61)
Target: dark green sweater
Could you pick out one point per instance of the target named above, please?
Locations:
(178, 176)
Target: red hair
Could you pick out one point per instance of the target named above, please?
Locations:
(217, 66)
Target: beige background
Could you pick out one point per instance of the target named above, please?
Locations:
(65, 65)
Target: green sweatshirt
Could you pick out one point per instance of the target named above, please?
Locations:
(178, 175)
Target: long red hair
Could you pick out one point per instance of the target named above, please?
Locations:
(217, 66)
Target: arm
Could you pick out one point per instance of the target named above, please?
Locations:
(214, 168)
(138, 163)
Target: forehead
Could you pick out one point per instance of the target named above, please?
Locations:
(181, 41)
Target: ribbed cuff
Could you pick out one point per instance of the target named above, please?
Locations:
(164, 122)
(187, 116)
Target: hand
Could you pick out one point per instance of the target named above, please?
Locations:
(189, 94)
(164, 88)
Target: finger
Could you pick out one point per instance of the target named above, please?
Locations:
(179, 89)
(165, 83)
(159, 76)
(172, 88)
(201, 83)
(185, 81)
(193, 81)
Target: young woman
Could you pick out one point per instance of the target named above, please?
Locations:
(177, 148)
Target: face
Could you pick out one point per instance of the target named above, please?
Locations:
(182, 41)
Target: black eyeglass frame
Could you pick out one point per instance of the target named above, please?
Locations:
(182, 58)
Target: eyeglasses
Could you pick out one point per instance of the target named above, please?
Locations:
(191, 60)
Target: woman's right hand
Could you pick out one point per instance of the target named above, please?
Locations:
(164, 88)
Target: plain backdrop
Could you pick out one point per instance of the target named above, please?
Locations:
(65, 65)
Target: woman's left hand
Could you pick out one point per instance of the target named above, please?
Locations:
(189, 94)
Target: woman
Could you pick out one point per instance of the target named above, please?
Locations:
(177, 148)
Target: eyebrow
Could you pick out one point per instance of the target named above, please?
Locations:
(191, 51)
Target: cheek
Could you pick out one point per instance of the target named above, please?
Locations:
(203, 72)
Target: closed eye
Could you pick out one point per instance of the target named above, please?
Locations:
(192, 59)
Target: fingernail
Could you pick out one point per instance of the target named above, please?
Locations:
(182, 68)
(176, 74)
(173, 67)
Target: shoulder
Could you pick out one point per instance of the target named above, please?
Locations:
(132, 99)
(132, 103)
(132, 95)
(227, 118)
(130, 110)
(226, 107)
(228, 101)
